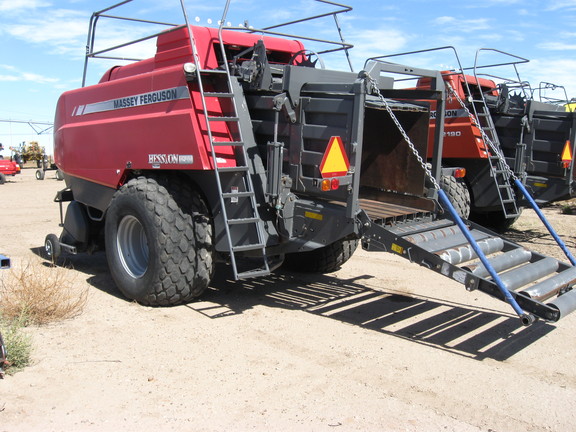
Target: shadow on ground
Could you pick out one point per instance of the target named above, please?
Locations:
(461, 329)
(473, 332)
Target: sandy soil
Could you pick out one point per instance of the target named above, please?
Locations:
(380, 345)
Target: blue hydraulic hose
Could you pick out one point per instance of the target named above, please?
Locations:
(456, 217)
(545, 221)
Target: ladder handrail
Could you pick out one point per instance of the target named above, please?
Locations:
(249, 184)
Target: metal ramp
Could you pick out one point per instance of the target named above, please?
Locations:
(540, 285)
(243, 226)
(536, 286)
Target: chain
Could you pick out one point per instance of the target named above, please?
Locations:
(485, 137)
(376, 91)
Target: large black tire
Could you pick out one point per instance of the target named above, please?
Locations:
(2, 178)
(458, 194)
(40, 174)
(322, 260)
(159, 242)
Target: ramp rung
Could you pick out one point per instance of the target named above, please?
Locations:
(435, 234)
(565, 304)
(452, 241)
(514, 279)
(546, 289)
(466, 253)
(501, 262)
(411, 229)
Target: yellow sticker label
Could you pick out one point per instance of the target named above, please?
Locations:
(397, 248)
(540, 184)
(312, 215)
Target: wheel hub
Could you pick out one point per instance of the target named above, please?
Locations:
(132, 246)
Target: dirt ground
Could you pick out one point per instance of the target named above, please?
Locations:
(380, 345)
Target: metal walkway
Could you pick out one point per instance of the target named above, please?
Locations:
(539, 284)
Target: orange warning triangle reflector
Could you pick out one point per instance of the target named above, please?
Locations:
(567, 152)
(567, 155)
(335, 161)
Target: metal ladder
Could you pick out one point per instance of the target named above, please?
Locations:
(243, 226)
(497, 163)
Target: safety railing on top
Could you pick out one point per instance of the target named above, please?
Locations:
(543, 97)
(105, 53)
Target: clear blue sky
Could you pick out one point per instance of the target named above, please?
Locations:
(43, 41)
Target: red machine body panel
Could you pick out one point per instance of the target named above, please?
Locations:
(146, 115)
(462, 139)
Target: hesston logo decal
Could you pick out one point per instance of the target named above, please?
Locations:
(335, 161)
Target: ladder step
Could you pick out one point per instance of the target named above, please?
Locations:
(224, 119)
(213, 71)
(248, 247)
(241, 221)
(228, 143)
(253, 273)
(233, 169)
(237, 194)
(219, 94)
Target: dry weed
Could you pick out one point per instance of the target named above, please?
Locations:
(18, 345)
(41, 293)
